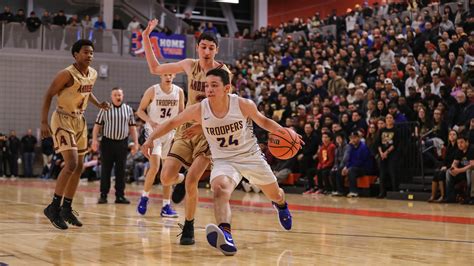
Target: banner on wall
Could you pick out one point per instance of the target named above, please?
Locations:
(165, 46)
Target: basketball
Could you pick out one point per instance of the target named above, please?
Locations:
(283, 143)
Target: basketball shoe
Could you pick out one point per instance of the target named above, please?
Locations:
(284, 215)
(69, 215)
(220, 239)
(55, 217)
(187, 235)
(141, 208)
(167, 211)
(179, 190)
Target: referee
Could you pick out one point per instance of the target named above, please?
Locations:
(117, 124)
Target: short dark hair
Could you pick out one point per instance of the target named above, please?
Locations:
(116, 89)
(328, 134)
(464, 135)
(219, 72)
(208, 36)
(76, 47)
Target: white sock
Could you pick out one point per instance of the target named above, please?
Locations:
(180, 178)
(166, 202)
(145, 194)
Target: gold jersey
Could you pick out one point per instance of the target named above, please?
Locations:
(196, 89)
(73, 100)
(197, 83)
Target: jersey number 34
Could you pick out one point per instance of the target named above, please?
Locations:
(165, 112)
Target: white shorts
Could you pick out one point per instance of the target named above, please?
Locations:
(162, 146)
(254, 167)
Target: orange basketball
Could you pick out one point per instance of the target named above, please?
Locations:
(282, 143)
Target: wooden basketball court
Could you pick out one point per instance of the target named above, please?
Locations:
(326, 231)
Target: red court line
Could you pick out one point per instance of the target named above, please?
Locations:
(322, 209)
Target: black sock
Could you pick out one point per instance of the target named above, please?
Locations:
(67, 203)
(56, 201)
(281, 207)
(189, 223)
(225, 226)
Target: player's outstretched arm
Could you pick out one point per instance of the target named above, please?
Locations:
(249, 109)
(59, 82)
(101, 105)
(191, 113)
(153, 64)
(181, 100)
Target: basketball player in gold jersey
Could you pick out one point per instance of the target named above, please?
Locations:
(73, 88)
(192, 153)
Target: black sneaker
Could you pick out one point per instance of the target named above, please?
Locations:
(121, 200)
(179, 192)
(70, 216)
(55, 217)
(102, 199)
(187, 235)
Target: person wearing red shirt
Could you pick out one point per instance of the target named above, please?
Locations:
(326, 155)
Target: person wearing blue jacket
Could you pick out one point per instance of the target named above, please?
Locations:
(359, 164)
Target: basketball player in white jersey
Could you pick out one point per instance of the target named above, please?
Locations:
(160, 103)
(73, 88)
(191, 153)
(226, 121)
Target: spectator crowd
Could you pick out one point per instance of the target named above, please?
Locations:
(358, 93)
(385, 74)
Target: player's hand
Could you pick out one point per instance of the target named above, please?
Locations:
(104, 105)
(135, 149)
(192, 131)
(95, 145)
(45, 130)
(299, 140)
(146, 147)
(151, 25)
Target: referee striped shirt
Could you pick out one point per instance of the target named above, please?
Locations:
(115, 122)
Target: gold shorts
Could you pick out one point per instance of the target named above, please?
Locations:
(186, 150)
(69, 133)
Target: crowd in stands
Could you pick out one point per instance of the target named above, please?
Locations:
(59, 18)
(58, 27)
(15, 151)
(349, 94)
(353, 95)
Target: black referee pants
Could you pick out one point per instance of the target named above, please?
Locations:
(113, 152)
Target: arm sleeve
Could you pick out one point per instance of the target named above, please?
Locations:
(350, 159)
(131, 121)
(331, 155)
(345, 159)
(100, 117)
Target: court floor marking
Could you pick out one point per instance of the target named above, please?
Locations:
(321, 209)
(169, 225)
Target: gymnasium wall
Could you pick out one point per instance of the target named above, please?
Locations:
(24, 78)
(282, 11)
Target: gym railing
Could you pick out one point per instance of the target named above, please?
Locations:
(115, 42)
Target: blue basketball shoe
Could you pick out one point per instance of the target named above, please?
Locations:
(284, 215)
(167, 211)
(141, 208)
(220, 239)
